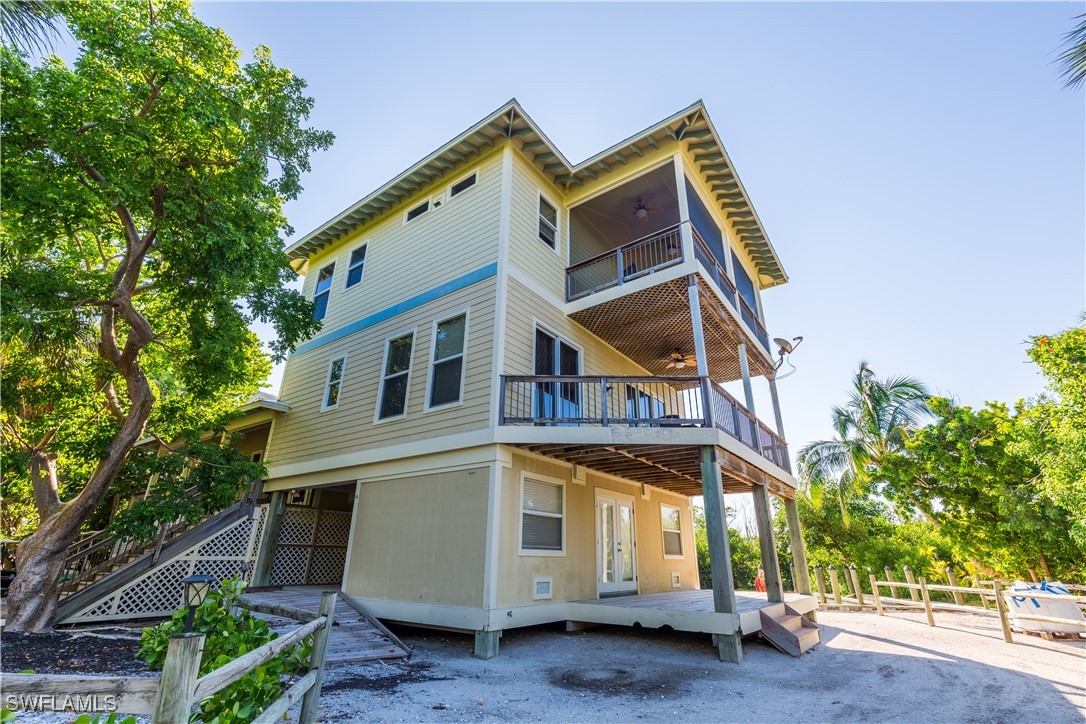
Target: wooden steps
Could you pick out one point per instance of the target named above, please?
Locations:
(789, 632)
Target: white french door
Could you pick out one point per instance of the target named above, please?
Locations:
(616, 556)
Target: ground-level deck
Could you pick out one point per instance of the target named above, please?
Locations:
(686, 611)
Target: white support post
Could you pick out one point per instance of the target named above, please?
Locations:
(744, 370)
(684, 210)
(695, 324)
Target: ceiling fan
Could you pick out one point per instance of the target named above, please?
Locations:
(641, 208)
(678, 360)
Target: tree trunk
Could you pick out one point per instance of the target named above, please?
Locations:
(1033, 574)
(1044, 565)
(39, 561)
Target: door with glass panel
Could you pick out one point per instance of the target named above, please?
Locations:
(554, 356)
(616, 556)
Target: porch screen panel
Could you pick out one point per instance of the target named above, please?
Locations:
(743, 283)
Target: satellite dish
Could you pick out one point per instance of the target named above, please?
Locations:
(786, 348)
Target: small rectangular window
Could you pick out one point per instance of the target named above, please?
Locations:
(673, 536)
(418, 210)
(335, 381)
(354, 268)
(393, 399)
(447, 368)
(323, 291)
(542, 516)
(548, 223)
(462, 185)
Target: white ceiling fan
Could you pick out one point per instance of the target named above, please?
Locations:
(642, 208)
(678, 360)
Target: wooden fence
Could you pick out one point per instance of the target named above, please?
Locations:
(169, 698)
(989, 595)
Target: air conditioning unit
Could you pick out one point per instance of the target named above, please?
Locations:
(542, 588)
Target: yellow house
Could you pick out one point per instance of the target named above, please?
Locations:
(517, 390)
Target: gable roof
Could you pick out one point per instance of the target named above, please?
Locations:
(690, 126)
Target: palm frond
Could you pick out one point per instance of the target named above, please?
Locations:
(29, 24)
(1073, 58)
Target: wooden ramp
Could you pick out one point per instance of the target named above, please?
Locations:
(356, 634)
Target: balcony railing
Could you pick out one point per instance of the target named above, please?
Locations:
(718, 275)
(651, 402)
(639, 258)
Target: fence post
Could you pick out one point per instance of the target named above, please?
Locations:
(927, 601)
(851, 592)
(911, 581)
(952, 579)
(1001, 606)
(875, 591)
(889, 573)
(856, 584)
(308, 714)
(976, 584)
(836, 585)
(820, 581)
(178, 683)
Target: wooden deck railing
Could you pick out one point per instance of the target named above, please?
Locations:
(653, 253)
(570, 401)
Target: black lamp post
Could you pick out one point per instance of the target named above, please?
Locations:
(196, 590)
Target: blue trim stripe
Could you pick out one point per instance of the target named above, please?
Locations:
(406, 305)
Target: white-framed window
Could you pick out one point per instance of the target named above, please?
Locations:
(356, 265)
(446, 383)
(395, 376)
(548, 223)
(459, 187)
(335, 383)
(417, 211)
(542, 516)
(670, 522)
(323, 290)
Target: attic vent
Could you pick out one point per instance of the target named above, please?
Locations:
(542, 588)
(675, 582)
(437, 201)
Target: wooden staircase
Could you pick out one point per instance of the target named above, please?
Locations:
(789, 632)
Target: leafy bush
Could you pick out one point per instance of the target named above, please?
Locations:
(228, 636)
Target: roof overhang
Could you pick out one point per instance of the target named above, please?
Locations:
(690, 127)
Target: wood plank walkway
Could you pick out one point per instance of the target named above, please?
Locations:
(687, 610)
(356, 635)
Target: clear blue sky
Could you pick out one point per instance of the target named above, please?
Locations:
(919, 167)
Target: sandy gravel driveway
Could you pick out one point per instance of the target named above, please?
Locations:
(868, 668)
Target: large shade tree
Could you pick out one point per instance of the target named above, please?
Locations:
(867, 428)
(142, 228)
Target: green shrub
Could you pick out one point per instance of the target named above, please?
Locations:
(228, 636)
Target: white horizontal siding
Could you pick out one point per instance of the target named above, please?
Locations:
(527, 251)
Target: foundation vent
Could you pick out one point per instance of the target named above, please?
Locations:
(542, 588)
(675, 581)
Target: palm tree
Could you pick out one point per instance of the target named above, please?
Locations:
(870, 426)
(1073, 58)
(29, 24)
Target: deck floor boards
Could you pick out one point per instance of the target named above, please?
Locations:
(354, 638)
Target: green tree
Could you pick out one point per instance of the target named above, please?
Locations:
(962, 473)
(870, 426)
(1052, 431)
(746, 554)
(142, 229)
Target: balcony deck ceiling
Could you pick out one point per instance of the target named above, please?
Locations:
(671, 467)
(649, 324)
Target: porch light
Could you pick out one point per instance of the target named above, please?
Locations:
(196, 590)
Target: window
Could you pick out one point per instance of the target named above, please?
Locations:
(463, 185)
(447, 368)
(323, 291)
(548, 223)
(541, 505)
(673, 536)
(554, 356)
(393, 398)
(354, 269)
(418, 211)
(335, 380)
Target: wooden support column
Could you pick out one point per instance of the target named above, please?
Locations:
(486, 644)
(269, 540)
(776, 407)
(763, 514)
(744, 370)
(802, 575)
(695, 325)
(729, 646)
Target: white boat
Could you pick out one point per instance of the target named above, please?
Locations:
(1019, 603)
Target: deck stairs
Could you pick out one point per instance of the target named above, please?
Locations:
(789, 631)
(100, 563)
